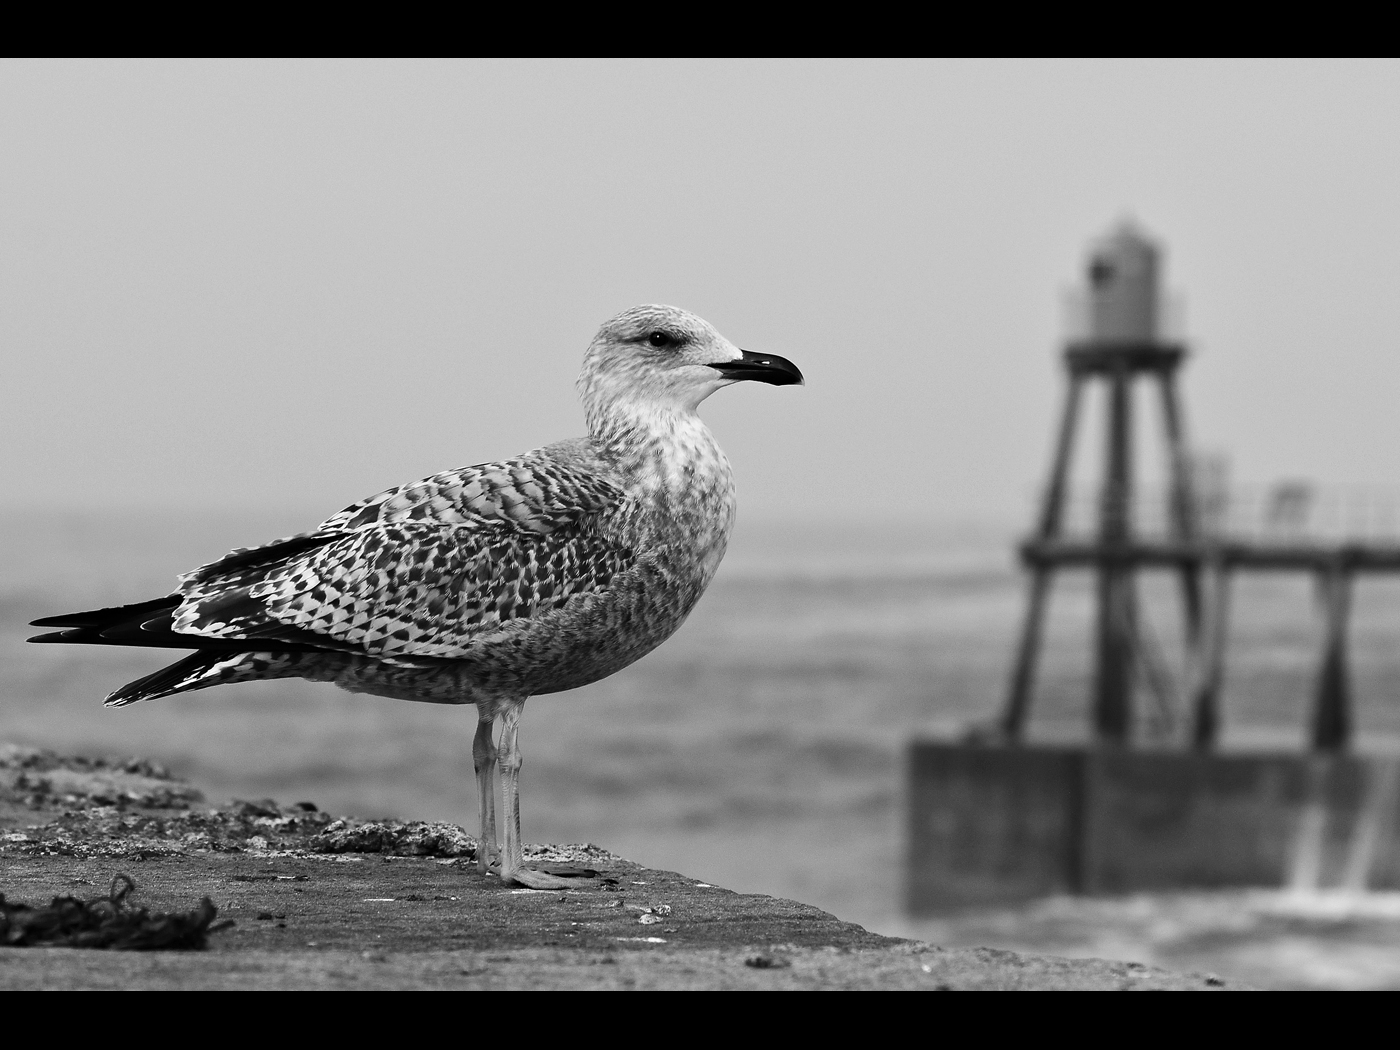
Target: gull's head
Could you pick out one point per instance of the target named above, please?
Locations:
(666, 359)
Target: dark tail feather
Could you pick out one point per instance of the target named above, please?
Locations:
(204, 669)
(151, 624)
(165, 681)
(272, 650)
(103, 618)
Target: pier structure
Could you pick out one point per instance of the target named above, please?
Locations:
(1123, 345)
(994, 818)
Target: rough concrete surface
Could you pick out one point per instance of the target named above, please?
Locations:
(320, 902)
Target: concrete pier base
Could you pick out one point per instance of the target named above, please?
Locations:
(990, 825)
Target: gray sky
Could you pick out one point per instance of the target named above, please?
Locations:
(292, 284)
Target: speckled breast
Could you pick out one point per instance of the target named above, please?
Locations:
(679, 530)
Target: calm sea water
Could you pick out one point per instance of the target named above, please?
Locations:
(761, 748)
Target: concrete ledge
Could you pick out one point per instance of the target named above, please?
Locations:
(309, 915)
(908, 967)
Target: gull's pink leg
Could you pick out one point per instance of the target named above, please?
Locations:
(512, 855)
(484, 761)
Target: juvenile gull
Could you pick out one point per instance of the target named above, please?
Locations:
(489, 584)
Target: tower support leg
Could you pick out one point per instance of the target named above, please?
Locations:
(1331, 726)
(1116, 632)
(1018, 702)
(1117, 613)
(1201, 659)
(1208, 657)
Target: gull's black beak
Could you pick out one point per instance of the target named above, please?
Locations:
(766, 368)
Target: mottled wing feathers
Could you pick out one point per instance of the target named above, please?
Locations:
(427, 590)
(529, 492)
(421, 570)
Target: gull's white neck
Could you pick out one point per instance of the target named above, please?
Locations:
(671, 464)
(660, 447)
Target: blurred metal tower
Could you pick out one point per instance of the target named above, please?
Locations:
(990, 824)
(1122, 344)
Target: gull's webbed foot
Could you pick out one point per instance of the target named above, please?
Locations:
(542, 880)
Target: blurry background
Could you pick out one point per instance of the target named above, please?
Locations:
(237, 296)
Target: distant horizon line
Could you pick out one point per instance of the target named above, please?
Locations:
(891, 517)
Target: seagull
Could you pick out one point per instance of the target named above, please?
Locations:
(488, 584)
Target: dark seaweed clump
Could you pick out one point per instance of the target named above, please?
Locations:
(106, 922)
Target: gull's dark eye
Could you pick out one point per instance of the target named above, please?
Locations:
(660, 339)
